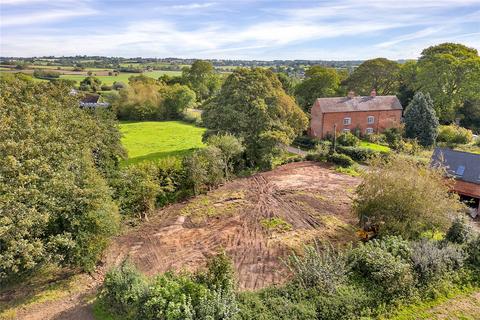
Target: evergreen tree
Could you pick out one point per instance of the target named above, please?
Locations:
(421, 122)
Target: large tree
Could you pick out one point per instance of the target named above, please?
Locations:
(55, 204)
(450, 73)
(252, 105)
(320, 82)
(380, 74)
(201, 78)
(421, 122)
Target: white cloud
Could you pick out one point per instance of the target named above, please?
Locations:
(44, 16)
(192, 6)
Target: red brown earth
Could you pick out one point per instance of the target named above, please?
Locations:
(314, 200)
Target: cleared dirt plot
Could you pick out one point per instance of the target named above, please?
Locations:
(257, 220)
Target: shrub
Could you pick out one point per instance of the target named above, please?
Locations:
(431, 262)
(453, 134)
(204, 169)
(459, 232)
(357, 153)
(105, 87)
(348, 139)
(136, 189)
(341, 159)
(321, 267)
(122, 289)
(473, 250)
(393, 137)
(402, 198)
(376, 138)
(306, 142)
(389, 275)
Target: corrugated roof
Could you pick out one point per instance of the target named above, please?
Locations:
(462, 165)
(358, 103)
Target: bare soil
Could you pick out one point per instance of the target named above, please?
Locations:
(313, 199)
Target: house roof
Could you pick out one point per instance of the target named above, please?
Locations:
(462, 165)
(358, 103)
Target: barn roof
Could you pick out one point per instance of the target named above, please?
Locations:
(462, 165)
(358, 103)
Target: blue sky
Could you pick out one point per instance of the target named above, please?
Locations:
(237, 29)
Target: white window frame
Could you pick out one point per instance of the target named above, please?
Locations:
(346, 130)
(372, 119)
(369, 131)
(348, 121)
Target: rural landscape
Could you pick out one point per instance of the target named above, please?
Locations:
(248, 177)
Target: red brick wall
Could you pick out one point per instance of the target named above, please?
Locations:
(322, 125)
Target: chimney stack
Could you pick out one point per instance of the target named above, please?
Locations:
(351, 94)
(373, 93)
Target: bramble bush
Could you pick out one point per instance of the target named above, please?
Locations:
(341, 159)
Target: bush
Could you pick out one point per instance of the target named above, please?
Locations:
(357, 153)
(320, 267)
(348, 139)
(341, 159)
(459, 232)
(306, 142)
(402, 198)
(105, 87)
(393, 137)
(387, 274)
(122, 290)
(204, 169)
(453, 134)
(431, 261)
(376, 138)
(473, 250)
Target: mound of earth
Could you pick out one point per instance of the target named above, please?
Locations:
(256, 220)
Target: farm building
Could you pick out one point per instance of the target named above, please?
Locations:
(368, 114)
(464, 167)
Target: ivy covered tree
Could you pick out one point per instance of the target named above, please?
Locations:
(55, 204)
(253, 106)
(421, 122)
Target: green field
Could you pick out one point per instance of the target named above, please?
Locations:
(374, 146)
(122, 77)
(152, 140)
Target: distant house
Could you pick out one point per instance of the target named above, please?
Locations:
(465, 168)
(369, 114)
(91, 101)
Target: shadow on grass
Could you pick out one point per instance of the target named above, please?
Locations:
(159, 155)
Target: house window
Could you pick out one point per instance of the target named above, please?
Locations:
(346, 130)
(369, 130)
(460, 171)
(347, 121)
(370, 119)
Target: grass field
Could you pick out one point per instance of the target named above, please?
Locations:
(157, 140)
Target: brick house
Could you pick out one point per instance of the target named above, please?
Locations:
(464, 167)
(369, 114)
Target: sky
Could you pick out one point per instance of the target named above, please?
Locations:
(236, 29)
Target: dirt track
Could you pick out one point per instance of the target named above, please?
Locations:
(313, 199)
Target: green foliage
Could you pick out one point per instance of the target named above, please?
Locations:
(450, 73)
(276, 224)
(380, 74)
(201, 78)
(390, 275)
(421, 122)
(341, 159)
(348, 139)
(56, 205)
(401, 198)
(123, 288)
(176, 99)
(393, 137)
(473, 250)
(470, 114)
(453, 134)
(320, 267)
(253, 106)
(136, 189)
(91, 84)
(46, 74)
(206, 295)
(357, 153)
(231, 148)
(431, 261)
(204, 169)
(320, 82)
(459, 232)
